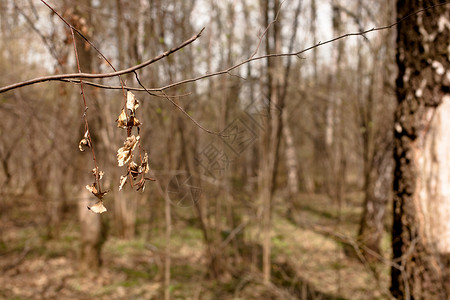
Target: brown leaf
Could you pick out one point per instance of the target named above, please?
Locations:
(101, 195)
(134, 169)
(141, 185)
(122, 119)
(144, 165)
(84, 142)
(100, 173)
(123, 179)
(93, 189)
(124, 153)
(134, 121)
(132, 103)
(98, 207)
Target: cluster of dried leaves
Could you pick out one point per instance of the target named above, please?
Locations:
(95, 189)
(136, 172)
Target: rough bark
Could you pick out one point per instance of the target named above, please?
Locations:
(420, 236)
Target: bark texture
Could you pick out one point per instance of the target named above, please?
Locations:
(421, 201)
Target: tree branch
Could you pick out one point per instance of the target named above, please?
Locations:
(64, 77)
(101, 75)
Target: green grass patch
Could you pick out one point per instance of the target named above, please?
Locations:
(187, 236)
(129, 283)
(134, 274)
(125, 247)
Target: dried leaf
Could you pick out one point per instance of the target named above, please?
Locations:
(141, 185)
(84, 142)
(134, 170)
(98, 207)
(122, 119)
(123, 179)
(124, 153)
(144, 165)
(123, 156)
(132, 103)
(93, 189)
(100, 174)
(134, 121)
(101, 195)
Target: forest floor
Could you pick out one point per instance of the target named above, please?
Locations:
(308, 256)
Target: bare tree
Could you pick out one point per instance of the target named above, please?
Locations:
(374, 105)
(271, 137)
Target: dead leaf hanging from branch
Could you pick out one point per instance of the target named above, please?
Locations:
(98, 207)
(125, 153)
(84, 142)
(127, 119)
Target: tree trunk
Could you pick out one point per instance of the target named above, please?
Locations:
(376, 134)
(290, 159)
(167, 251)
(290, 152)
(335, 119)
(320, 121)
(125, 208)
(93, 234)
(371, 226)
(272, 133)
(125, 205)
(421, 232)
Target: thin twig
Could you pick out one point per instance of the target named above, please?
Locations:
(179, 107)
(86, 123)
(128, 88)
(233, 233)
(87, 40)
(267, 29)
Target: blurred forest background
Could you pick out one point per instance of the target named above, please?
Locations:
(293, 201)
